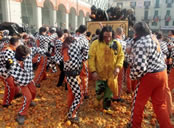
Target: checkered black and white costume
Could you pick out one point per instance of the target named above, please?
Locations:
(123, 44)
(44, 42)
(53, 39)
(23, 76)
(77, 52)
(4, 73)
(84, 42)
(58, 49)
(146, 57)
(164, 48)
(4, 57)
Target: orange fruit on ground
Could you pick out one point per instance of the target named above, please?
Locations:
(68, 123)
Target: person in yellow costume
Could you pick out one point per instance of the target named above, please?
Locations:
(106, 58)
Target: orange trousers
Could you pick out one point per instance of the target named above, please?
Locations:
(169, 89)
(151, 85)
(84, 77)
(29, 93)
(171, 79)
(10, 90)
(40, 73)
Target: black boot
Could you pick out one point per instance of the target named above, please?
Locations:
(32, 104)
(86, 96)
(62, 75)
(6, 105)
(20, 119)
(118, 100)
(38, 85)
(17, 95)
(74, 120)
(106, 103)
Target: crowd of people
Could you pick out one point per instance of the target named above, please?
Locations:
(142, 62)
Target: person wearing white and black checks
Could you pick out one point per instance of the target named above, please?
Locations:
(163, 44)
(43, 42)
(73, 54)
(165, 51)
(119, 33)
(149, 68)
(84, 73)
(57, 56)
(22, 72)
(10, 88)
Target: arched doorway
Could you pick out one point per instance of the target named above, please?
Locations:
(28, 8)
(72, 20)
(81, 18)
(47, 13)
(61, 16)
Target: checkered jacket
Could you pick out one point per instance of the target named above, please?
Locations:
(147, 57)
(123, 44)
(58, 50)
(44, 42)
(164, 48)
(53, 37)
(128, 57)
(4, 57)
(78, 52)
(23, 76)
(84, 42)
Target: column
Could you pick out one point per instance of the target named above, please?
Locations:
(38, 17)
(67, 20)
(83, 20)
(12, 11)
(5, 15)
(54, 18)
(76, 22)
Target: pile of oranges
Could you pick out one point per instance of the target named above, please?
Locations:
(51, 110)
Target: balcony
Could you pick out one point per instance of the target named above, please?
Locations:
(146, 7)
(167, 18)
(157, 6)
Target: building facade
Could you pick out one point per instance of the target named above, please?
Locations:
(35, 13)
(157, 13)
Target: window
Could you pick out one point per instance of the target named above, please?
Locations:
(154, 23)
(156, 13)
(168, 13)
(169, 1)
(169, 5)
(145, 15)
(166, 23)
(133, 4)
(157, 3)
(173, 23)
(146, 4)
